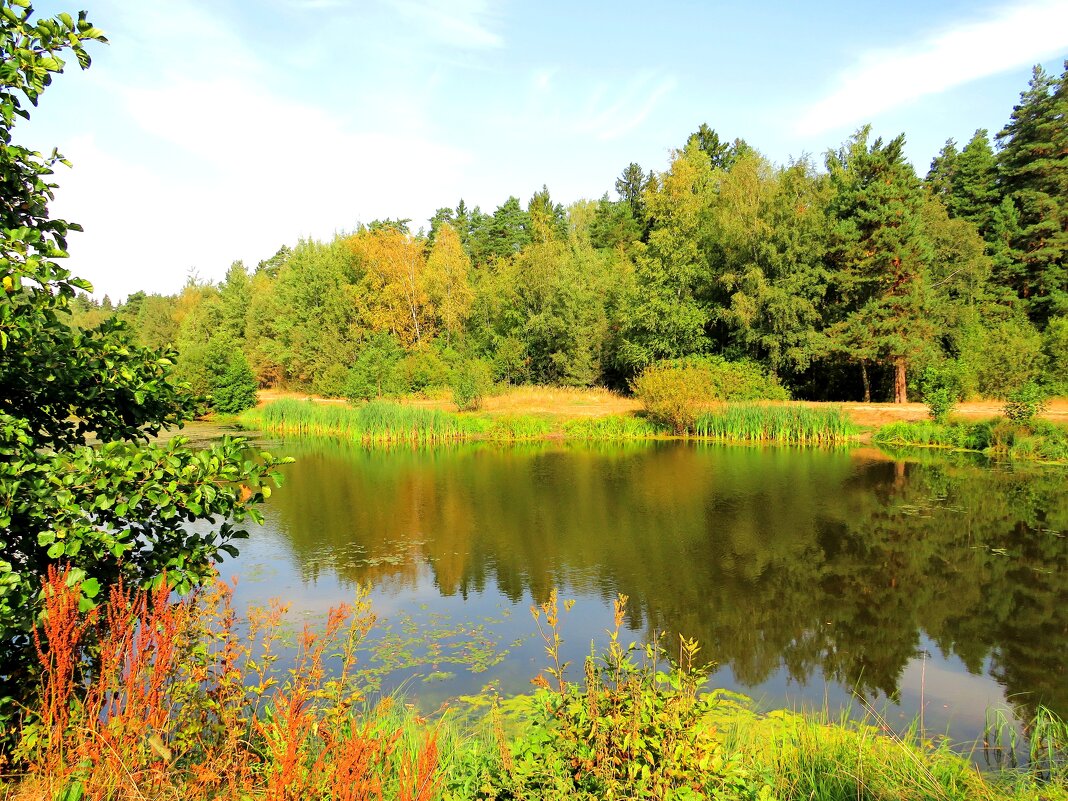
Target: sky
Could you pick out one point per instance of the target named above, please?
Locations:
(214, 130)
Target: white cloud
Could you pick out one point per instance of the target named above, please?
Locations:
(460, 23)
(885, 79)
(201, 167)
(611, 119)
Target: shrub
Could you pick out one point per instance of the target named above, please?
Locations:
(235, 390)
(675, 392)
(942, 389)
(331, 382)
(1025, 403)
(423, 370)
(1003, 357)
(471, 381)
(1056, 348)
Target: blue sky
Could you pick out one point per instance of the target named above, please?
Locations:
(213, 131)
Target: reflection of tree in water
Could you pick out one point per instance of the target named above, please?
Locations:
(773, 558)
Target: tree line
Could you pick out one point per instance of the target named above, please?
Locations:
(847, 280)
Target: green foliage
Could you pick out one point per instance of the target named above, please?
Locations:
(1033, 165)
(675, 392)
(799, 425)
(1037, 440)
(332, 381)
(942, 387)
(424, 370)
(999, 357)
(234, 390)
(1056, 352)
(470, 382)
(612, 428)
(120, 510)
(1025, 403)
(376, 373)
(673, 395)
(636, 727)
(376, 422)
(879, 254)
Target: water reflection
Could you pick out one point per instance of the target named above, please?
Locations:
(790, 566)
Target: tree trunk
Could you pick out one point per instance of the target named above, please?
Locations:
(900, 389)
(867, 382)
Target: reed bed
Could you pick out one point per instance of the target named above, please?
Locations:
(377, 422)
(755, 422)
(612, 427)
(383, 423)
(518, 428)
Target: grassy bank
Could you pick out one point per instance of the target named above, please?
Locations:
(1038, 440)
(185, 701)
(384, 422)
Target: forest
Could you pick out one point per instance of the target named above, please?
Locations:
(845, 280)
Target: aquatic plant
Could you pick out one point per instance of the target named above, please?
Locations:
(753, 422)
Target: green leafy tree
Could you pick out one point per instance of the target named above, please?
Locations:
(121, 509)
(975, 194)
(669, 315)
(376, 372)
(767, 260)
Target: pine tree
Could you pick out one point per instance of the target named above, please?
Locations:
(1033, 170)
(975, 193)
(879, 254)
(940, 178)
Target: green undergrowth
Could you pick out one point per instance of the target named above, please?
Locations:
(203, 709)
(380, 422)
(1036, 440)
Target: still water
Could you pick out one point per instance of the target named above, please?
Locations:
(812, 578)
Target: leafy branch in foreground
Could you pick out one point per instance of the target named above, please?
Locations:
(120, 510)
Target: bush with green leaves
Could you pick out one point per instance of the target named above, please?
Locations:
(470, 382)
(120, 510)
(674, 393)
(1025, 403)
(1056, 350)
(999, 358)
(423, 370)
(235, 389)
(942, 388)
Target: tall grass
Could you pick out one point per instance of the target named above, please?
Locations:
(753, 422)
(518, 428)
(612, 427)
(1037, 440)
(377, 422)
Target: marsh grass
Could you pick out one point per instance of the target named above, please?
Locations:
(775, 423)
(376, 422)
(613, 427)
(1036, 440)
(384, 423)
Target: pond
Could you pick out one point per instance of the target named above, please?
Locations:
(812, 578)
